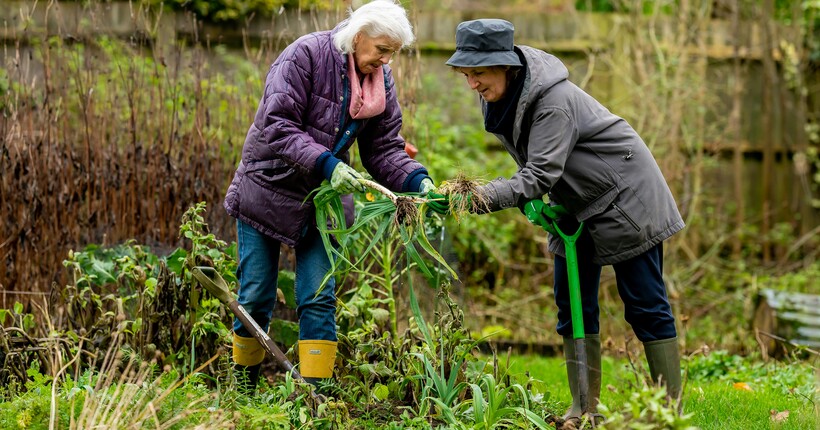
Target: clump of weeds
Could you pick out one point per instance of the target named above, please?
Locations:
(466, 195)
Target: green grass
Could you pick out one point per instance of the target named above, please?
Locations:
(710, 395)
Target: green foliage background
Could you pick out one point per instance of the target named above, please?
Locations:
(226, 11)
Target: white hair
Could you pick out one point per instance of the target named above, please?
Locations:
(376, 19)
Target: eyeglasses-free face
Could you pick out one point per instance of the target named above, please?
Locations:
(371, 53)
(489, 82)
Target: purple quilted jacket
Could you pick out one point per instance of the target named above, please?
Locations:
(301, 131)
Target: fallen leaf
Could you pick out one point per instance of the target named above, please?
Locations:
(742, 386)
(569, 425)
(779, 417)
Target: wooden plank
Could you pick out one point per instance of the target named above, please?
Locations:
(784, 319)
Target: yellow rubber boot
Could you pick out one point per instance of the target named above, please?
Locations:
(317, 358)
(247, 357)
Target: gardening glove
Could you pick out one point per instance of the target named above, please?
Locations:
(533, 210)
(438, 203)
(542, 214)
(345, 179)
(426, 186)
(443, 203)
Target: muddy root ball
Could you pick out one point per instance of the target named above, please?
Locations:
(407, 212)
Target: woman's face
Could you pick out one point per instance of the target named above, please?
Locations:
(490, 82)
(372, 52)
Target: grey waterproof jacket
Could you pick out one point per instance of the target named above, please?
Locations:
(302, 130)
(569, 146)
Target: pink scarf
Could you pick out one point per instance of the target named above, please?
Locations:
(367, 98)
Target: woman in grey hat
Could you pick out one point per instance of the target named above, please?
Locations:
(593, 163)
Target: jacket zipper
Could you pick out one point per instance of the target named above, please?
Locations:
(628, 218)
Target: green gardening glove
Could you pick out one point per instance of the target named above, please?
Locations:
(533, 209)
(345, 179)
(542, 214)
(438, 203)
(443, 203)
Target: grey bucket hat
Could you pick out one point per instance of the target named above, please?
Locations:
(484, 42)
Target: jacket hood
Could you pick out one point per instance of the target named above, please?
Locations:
(543, 70)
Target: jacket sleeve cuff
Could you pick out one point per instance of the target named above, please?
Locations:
(499, 195)
(413, 181)
(326, 163)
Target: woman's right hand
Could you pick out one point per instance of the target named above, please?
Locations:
(345, 179)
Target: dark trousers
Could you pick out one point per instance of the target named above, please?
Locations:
(640, 285)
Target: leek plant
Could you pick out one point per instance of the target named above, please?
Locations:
(387, 224)
(403, 213)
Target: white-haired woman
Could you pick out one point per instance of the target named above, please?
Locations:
(325, 91)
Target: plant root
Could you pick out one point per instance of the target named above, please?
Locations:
(407, 213)
(466, 195)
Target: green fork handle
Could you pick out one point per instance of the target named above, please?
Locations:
(574, 279)
(576, 311)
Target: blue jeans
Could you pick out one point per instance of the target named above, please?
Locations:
(640, 285)
(258, 272)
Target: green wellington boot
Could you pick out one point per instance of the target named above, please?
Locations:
(593, 342)
(663, 357)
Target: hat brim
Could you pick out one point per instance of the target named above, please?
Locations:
(483, 59)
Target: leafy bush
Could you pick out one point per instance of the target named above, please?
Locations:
(152, 300)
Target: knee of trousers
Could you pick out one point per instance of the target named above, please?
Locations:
(321, 302)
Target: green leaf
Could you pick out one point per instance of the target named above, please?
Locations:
(380, 392)
(534, 418)
(421, 238)
(176, 260)
(414, 307)
(478, 401)
(102, 270)
(231, 250)
(379, 315)
(287, 284)
(414, 255)
(285, 333)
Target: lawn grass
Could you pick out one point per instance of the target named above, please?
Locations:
(710, 396)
